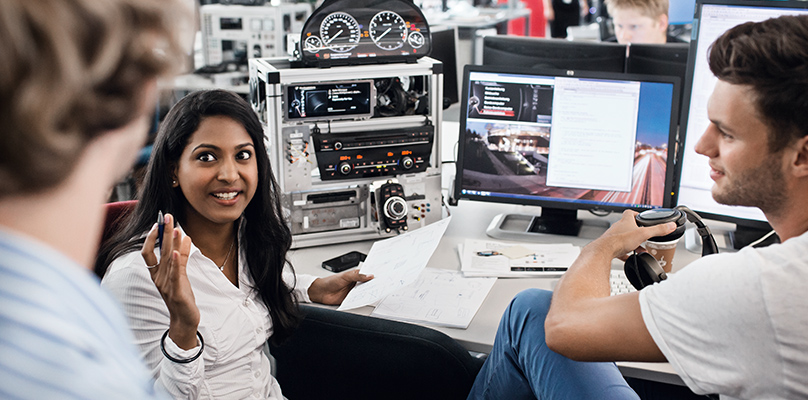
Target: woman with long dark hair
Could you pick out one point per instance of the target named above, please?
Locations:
(202, 306)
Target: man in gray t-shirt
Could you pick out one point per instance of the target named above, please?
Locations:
(733, 324)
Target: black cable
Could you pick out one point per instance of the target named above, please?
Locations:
(444, 205)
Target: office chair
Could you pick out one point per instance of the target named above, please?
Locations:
(115, 212)
(114, 215)
(337, 355)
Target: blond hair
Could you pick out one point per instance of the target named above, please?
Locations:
(648, 8)
(71, 70)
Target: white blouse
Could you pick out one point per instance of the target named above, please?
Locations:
(234, 324)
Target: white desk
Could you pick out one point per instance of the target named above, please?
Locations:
(469, 220)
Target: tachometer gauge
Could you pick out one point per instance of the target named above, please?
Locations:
(416, 40)
(339, 32)
(388, 30)
(313, 44)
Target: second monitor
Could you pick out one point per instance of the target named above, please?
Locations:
(528, 52)
(566, 140)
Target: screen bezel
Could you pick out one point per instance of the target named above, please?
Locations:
(549, 54)
(688, 89)
(336, 117)
(567, 205)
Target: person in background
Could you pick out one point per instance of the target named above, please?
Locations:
(730, 323)
(78, 83)
(562, 14)
(203, 311)
(640, 21)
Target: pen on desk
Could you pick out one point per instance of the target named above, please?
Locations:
(161, 226)
(488, 253)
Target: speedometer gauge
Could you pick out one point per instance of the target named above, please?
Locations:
(388, 30)
(354, 32)
(339, 32)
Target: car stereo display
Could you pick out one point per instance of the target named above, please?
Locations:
(329, 101)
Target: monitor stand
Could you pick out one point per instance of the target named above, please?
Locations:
(731, 240)
(554, 221)
(743, 236)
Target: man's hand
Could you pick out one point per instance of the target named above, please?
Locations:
(624, 236)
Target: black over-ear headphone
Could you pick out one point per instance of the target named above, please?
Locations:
(643, 269)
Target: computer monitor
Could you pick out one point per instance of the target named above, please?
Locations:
(566, 140)
(530, 52)
(444, 44)
(680, 12)
(714, 17)
(659, 59)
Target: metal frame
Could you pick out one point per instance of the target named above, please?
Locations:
(294, 160)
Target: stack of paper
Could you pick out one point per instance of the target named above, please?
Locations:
(500, 259)
(438, 297)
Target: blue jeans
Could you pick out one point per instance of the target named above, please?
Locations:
(521, 366)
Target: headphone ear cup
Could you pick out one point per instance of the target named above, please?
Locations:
(642, 270)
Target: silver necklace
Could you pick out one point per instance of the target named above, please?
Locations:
(227, 257)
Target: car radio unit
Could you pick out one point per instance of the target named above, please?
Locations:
(354, 148)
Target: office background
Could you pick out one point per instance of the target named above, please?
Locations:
(462, 39)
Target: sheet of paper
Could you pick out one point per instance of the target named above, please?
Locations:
(437, 297)
(395, 262)
(517, 251)
(491, 258)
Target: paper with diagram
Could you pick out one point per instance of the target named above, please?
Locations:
(501, 259)
(395, 262)
(437, 297)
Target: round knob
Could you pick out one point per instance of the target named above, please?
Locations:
(395, 208)
(345, 168)
(407, 162)
(338, 145)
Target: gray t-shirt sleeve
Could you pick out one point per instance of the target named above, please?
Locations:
(711, 322)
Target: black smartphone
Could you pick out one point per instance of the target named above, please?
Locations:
(345, 261)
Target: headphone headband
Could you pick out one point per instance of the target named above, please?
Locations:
(708, 245)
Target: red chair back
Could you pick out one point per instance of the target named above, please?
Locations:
(115, 213)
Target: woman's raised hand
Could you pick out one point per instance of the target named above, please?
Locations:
(170, 277)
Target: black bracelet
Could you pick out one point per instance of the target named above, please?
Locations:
(165, 353)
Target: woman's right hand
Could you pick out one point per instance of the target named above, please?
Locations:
(169, 275)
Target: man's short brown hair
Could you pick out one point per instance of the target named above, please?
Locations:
(648, 8)
(772, 58)
(70, 70)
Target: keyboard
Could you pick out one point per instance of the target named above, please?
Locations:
(619, 282)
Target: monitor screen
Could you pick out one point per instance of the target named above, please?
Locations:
(327, 101)
(714, 17)
(566, 140)
(529, 52)
(680, 12)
